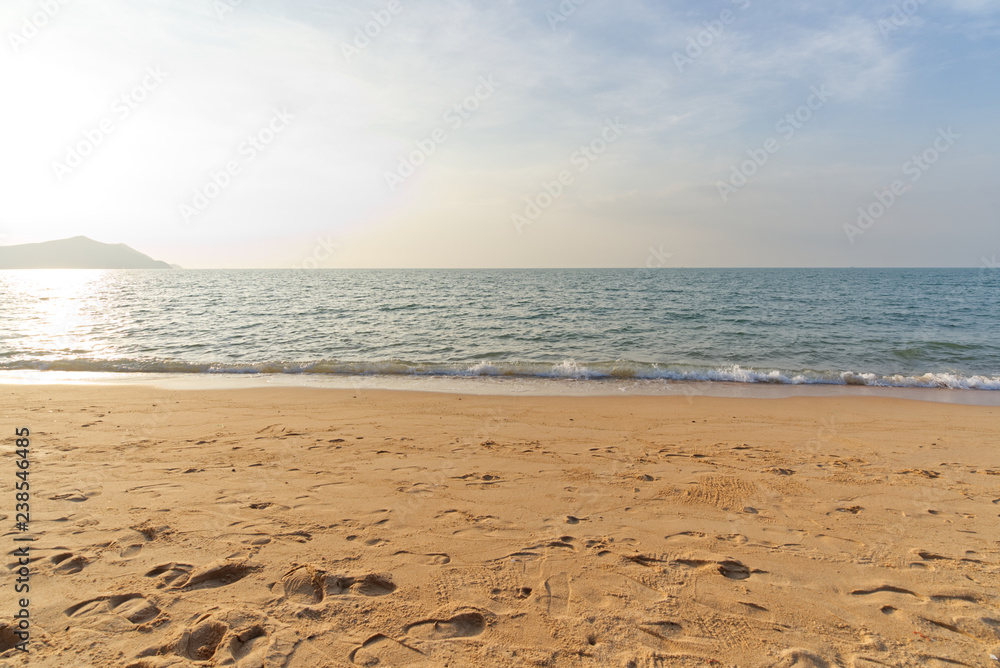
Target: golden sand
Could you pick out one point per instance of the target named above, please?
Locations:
(309, 528)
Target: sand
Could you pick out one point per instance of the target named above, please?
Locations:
(306, 527)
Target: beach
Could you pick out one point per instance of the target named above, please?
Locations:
(311, 527)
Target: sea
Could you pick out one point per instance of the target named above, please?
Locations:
(662, 330)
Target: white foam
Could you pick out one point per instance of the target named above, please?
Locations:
(568, 369)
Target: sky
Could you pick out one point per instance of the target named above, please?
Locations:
(506, 133)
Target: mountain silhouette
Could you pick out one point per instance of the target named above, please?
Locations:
(75, 253)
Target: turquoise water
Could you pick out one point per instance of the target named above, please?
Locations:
(892, 327)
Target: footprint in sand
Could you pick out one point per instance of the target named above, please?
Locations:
(727, 568)
(201, 642)
(77, 495)
(434, 559)
(130, 551)
(464, 625)
(167, 574)
(927, 555)
(557, 595)
(662, 630)
(137, 610)
(308, 585)
(649, 561)
(295, 536)
(923, 473)
(885, 589)
(249, 646)
(800, 658)
(720, 491)
(522, 592)
(133, 608)
(686, 534)
(533, 552)
(601, 546)
(67, 563)
(734, 570)
(217, 574)
(153, 490)
(366, 585)
(735, 538)
(228, 638)
(753, 607)
(381, 650)
(418, 489)
(151, 533)
(957, 598)
(303, 585)
(485, 480)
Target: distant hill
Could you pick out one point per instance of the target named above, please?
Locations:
(76, 253)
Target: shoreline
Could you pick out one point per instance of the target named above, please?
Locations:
(496, 386)
(179, 528)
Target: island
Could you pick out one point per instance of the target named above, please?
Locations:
(76, 253)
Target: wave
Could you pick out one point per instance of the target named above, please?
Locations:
(565, 370)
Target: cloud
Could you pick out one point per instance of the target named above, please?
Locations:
(356, 113)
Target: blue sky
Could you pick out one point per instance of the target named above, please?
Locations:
(218, 133)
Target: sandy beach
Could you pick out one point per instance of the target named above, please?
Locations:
(310, 528)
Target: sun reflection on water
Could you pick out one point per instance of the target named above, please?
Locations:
(59, 312)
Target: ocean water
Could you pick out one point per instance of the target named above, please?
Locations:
(875, 327)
